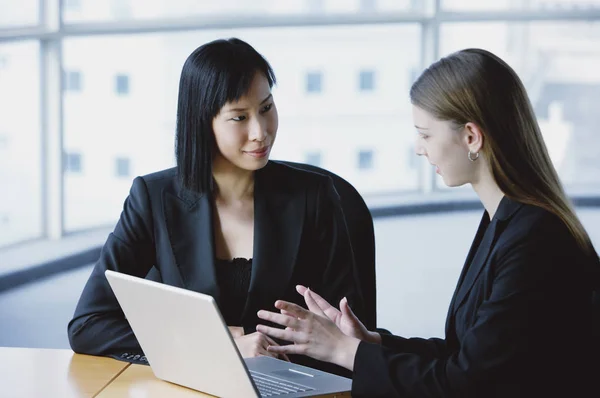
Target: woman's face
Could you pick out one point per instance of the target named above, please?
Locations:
(444, 147)
(245, 130)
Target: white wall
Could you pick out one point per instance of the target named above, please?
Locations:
(419, 260)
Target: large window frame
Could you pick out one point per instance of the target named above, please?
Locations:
(52, 30)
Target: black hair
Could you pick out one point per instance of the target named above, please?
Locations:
(215, 73)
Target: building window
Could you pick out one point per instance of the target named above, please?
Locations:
(122, 169)
(413, 159)
(365, 160)
(367, 80)
(313, 158)
(122, 84)
(73, 162)
(313, 82)
(368, 5)
(316, 6)
(72, 81)
(3, 61)
(73, 5)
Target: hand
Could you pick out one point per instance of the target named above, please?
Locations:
(344, 318)
(236, 331)
(255, 344)
(313, 335)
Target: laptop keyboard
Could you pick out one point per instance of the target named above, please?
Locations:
(270, 386)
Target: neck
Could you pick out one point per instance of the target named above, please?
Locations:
(232, 183)
(489, 193)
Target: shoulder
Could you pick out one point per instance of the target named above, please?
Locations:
(157, 182)
(533, 221)
(292, 175)
(162, 176)
(538, 237)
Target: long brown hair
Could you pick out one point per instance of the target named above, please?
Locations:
(474, 85)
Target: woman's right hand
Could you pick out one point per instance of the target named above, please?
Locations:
(344, 318)
(255, 344)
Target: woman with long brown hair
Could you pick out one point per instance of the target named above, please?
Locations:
(520, 321)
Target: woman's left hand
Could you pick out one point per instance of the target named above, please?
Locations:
(313, 335)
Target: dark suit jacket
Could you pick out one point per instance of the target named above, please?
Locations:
(519, 324)
(299, 238)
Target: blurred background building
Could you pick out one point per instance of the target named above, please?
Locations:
(88, 93)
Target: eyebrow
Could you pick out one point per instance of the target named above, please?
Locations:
(421, 128)
(243, 109)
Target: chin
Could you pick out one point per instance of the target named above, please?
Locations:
(254, 165)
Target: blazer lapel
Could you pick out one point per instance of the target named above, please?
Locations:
(479, 260)
(476, 243)
(189, 221)
(278, 224)
(506, 208)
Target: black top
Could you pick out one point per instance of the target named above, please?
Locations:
(233, 278)
(165, 233)
(519, 324)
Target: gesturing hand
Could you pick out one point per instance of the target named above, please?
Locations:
(313, 335)
(344, 318)
(255, 344)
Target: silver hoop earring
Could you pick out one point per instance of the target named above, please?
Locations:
(471, 158)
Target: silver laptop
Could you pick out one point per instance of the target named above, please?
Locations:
(186, 342)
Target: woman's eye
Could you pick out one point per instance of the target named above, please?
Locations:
(267, 108)
(239, 118)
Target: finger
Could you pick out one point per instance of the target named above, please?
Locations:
(327, 308)
(280, 319)
(293, 309)
(288, 349)
(312, 304)
(284, 312)
(346, 310)
(284, 357)
(301, 289)
(270, 340)
(277, 333)
(265, 352)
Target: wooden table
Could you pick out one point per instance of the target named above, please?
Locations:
(35, 372)
(139, 381)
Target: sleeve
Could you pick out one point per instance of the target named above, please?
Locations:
(99, 326)
(431, 348)
(339, 279)
(511, 335)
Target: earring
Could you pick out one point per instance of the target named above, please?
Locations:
(471, 158)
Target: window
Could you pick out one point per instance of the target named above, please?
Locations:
(19, 13)
(122, 84)
(313, 158)
(122, 167)
(72, 81)
(367, 80)
(72, 5)
(315, 5)
(21, 163)
(73, 162)
(368, 5)
(313, 82)
(365, 160)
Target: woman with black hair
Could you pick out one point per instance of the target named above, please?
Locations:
(226, 221)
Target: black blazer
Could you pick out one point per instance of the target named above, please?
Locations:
(519, 324)
(299, 238)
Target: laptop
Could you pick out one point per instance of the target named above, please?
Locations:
(186, 342)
